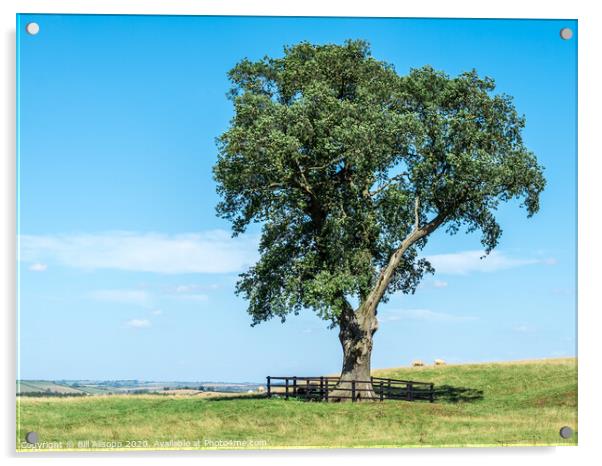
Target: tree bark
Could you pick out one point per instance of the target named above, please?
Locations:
(356, 329)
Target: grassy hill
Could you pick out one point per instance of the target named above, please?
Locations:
(514, 403)
(41, 386)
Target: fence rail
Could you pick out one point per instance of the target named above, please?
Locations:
(321, 388)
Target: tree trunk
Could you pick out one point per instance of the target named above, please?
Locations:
(358, 327)
(355, 333)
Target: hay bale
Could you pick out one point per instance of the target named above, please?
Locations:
(440, 362)
(417, 363)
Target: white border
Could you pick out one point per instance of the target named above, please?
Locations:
(590, 194)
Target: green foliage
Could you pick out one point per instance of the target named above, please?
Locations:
(340, 159)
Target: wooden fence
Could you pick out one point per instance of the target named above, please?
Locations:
(320, 388)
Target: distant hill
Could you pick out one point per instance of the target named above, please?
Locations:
(107, 387)
(45, 386)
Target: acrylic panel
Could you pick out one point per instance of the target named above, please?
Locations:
(295, 232)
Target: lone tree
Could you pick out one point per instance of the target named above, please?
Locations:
(349, 167)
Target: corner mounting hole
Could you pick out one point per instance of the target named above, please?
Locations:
(566, 33)
(32, 28)
(566, 432)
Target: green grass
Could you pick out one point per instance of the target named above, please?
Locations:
(522, 403)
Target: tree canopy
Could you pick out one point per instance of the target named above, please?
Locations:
(349, 166)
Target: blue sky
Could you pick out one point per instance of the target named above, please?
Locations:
(126, 272)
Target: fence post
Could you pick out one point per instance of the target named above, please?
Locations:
(389, 389)
(269, 386)
(382, 391)
(353, 390)
(321, 387)
(410, 393)
(307, 392)
(327, 388)
(295, 386)
(286, 389)
(432, 393)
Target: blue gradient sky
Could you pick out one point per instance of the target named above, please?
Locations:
(126, 272)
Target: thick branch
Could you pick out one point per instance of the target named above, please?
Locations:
(387, 272)
(304, 183)
(327, 164)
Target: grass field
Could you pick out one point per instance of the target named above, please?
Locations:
(514, 403)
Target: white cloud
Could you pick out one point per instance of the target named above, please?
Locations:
(144, 298)
(188, 292)
(440, 284)
(185, 288)
(421, 314)
(138, 323)
(211, 251)
(191, 288)
(523, 328)
(138, 297)
(465, 262)
(192, 297)
(38, 267)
